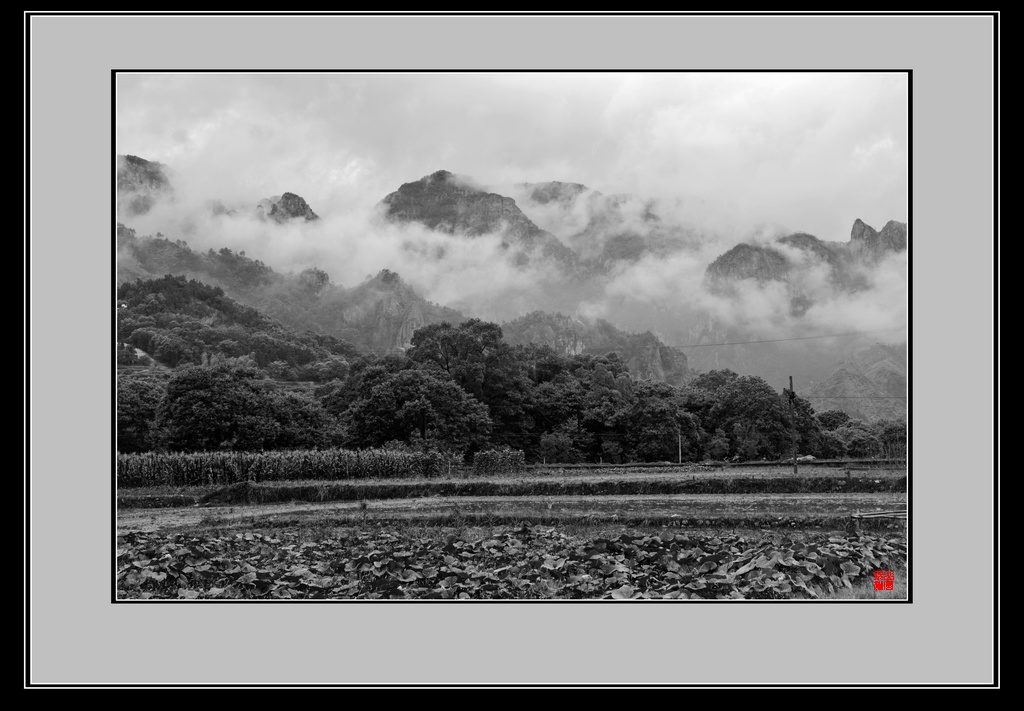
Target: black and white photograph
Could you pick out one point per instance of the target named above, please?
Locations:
(473, 336)
(429, 342)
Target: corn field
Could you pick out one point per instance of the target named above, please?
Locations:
(219, 468)
(499, 461)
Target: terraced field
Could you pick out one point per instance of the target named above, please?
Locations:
(732, 533)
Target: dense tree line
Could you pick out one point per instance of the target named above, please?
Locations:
(463, 388)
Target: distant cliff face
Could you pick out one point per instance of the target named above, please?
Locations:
(447, 203)
(386, 311)
(563, 334)
(870, 383)
(646, 357)
(140, 184)
(283, 208)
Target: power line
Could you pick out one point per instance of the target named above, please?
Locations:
(853, 397)
(800, 338)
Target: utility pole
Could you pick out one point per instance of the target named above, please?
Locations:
(792, 421)
(679, 433)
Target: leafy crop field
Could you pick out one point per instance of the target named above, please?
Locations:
(526, 562)
(555, 533)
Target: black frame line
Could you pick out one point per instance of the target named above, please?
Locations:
(996, 361)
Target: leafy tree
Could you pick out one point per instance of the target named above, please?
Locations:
(561, 445)
(656, 423)
(712, 381)
(832, 420)
(612, 452)
(219, 407)
(860, 439)
(137, 402)
(396, 406)
(555, 402)
(831, 446)
(754, 415)
(474, 356)
(745, 440)
(303, 422)
(718, 446)
(892, 435)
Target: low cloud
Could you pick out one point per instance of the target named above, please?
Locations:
(721, 158)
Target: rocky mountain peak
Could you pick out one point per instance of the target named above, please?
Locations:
(454, 204)
(747, 261)
(285, 207)
(140, 184)
(862, 232)
(869, 245)
(894, 236)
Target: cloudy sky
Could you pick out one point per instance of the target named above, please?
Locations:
(802, 151)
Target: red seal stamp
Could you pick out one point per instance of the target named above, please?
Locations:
(884, 579)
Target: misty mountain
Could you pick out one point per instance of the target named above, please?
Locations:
(868, 246)
(604, 229)
(452, 204)
(140, 184)
(282, 208)
(646, 357)
(635, 277)
(788, 256)
(385, 312)
(378, 315)
(804, 273)
(871, 383)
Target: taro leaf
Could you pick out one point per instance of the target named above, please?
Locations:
(247, 578)
(850, 569)
(188, 594)
(746, 568)
(623, 593)
(707, 567)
